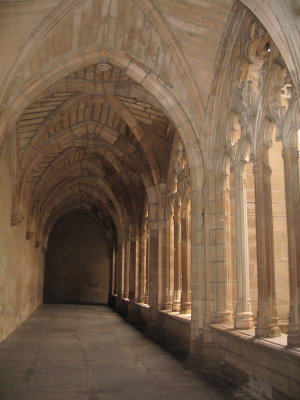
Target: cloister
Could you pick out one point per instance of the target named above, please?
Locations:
(149, 160)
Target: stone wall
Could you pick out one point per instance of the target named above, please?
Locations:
(77, 263)
(266, 368)
(172, 329)
(175, 332)
(21, 263)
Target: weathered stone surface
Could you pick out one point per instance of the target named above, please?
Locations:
(72, 363)
(173, 125)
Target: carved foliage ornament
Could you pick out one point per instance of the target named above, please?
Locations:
(257, 75)
(181, 168)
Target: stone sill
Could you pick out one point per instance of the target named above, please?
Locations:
(277, 344)
(143, 305)
(185, 318)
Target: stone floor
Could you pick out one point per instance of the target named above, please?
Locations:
(72, 352)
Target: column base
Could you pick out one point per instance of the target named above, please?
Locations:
(267, 329)
(222, 317)
(176, 306)
(141, 300)
(243, 320)
(185, 307)
(167, 306)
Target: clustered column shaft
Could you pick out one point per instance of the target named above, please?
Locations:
(185, 307)
(178, 260)
(267, 320)
(244, 316)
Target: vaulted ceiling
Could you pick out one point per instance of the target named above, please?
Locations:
(94, 140)
(98, 89)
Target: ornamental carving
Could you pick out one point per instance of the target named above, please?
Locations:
(180, 181)
(255, 84)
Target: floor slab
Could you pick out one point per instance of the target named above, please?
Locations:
(77, 352)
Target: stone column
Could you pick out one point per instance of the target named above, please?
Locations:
(222, 314)
(147, 278)
(127, 266)
(152, 323)
(169, 263)
(177, 260)
(243, 317)
(114, 262)
(143, 263)
(111, 274)
(122, 257)
(161, 259)
(117, 272)
(267, 319)
(137, 262)
(208, 216)
(120, 274)
(292, 195)
(133, 262)
(132, 266)
(185, 307)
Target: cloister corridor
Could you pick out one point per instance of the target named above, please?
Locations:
(149, 185)
(83, 352)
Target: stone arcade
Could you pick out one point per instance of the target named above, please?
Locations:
(149, 157)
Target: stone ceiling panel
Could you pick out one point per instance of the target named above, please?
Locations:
(77, 143)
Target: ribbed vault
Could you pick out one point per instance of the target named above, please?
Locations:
(94, 140)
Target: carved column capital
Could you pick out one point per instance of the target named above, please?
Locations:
(290, 153)
(16, 219)
(260, 168)
(29, 235)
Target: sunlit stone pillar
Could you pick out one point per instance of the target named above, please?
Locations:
(292, 193)
(185, 307)
(267, 319)
(169, 262)
(177, 260)
(222, 314)
(243, 317)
